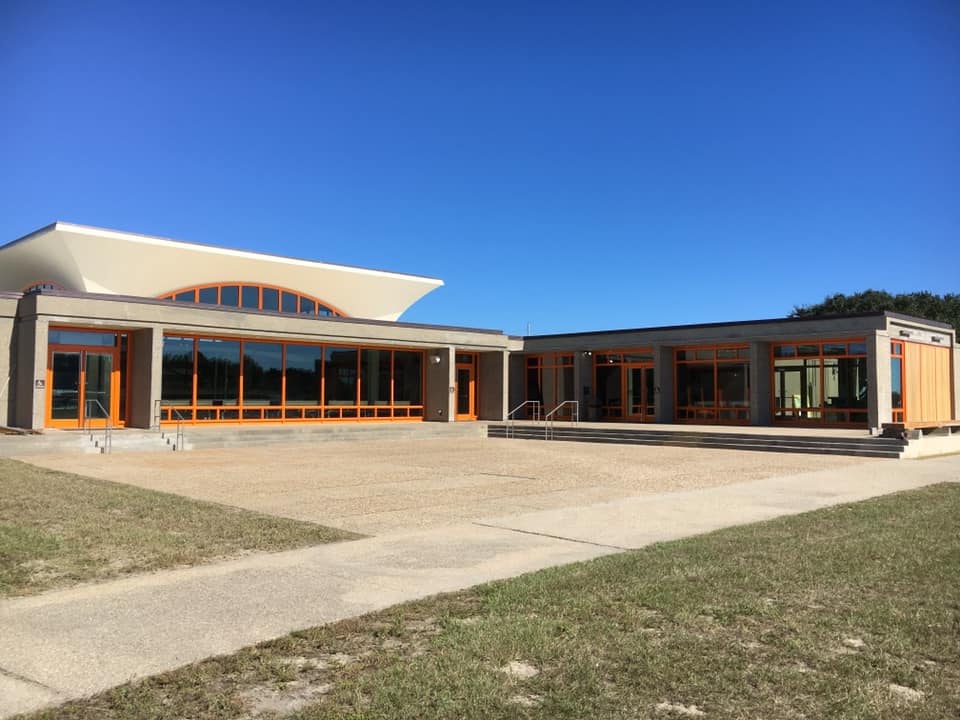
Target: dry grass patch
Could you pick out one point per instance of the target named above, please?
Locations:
(58, 529)
(751, 622)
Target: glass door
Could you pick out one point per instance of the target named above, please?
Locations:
(466, 387)
(65, 387)
(639, 393)
(97, 386)
(83, 387)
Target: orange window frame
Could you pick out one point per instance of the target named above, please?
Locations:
(547, 361)
(243, 412)
(898, 350)
(473, 367)
(716, 413)
(822, 408)
(116, 381)
(616, 357)
(195, 289)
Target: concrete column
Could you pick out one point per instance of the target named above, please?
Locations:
(439, 382)
(146, 375)
(8, 313)
(518, 369)
(30, 384)
(583, 384)
(494, 368)
(663, 383)
(879, 409)
(760, 411)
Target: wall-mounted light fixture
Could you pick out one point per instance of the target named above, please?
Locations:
(906, 333)
(435, 359)
(936, 338)
(587, 353)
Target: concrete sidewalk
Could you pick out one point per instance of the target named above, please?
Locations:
(76, 642)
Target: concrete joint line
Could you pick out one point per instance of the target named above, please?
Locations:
(36, 683)
(554, 537)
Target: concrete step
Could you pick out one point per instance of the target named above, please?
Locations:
(825, 445)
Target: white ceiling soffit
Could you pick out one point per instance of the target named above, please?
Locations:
(88, 259)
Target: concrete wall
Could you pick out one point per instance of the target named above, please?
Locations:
(760, 411)
(518, 369)
(31, 375)
(145, 380)
(8, 315)
(493, 393)
(438, 397)
(879, 408)
(663, 383)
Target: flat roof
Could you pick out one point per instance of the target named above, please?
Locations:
(740, 323)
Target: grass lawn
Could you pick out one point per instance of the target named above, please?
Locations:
(849, 612)
(58, 529)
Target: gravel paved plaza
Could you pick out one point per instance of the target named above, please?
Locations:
(374, 487)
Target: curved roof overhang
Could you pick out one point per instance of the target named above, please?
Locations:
(90, 259)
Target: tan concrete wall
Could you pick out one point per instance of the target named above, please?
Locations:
(146, 365)
(30, 385)
(438, 398)
(518, 368)
(8, 314)
(879, 409)
(493, 387)
(663, 382)
(760, 411)
(956, 383)
(131, 313)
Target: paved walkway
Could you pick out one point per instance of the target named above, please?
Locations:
(75, 642)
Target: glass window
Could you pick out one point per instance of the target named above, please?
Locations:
(784, 350)
(896, 382)
(218, 371)
(323, 310)
(340, 376)
(638, 357)
(607, 391)
(808, 350)
(733, 385)
(726, 353)
(857, 348)
(307, 306)
(230, 295)
(271, 298)
(250, 297)
(303, 374)
(185, 296)
(834, 348)
(262, 373)
(288, 302)
(704, 354)
(208, 295)
(464, 357)
(407, 375)
(81, 337)
(695, 384)
(374, 377)
(176, 386)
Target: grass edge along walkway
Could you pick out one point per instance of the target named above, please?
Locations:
(58, 529)
(847, 612)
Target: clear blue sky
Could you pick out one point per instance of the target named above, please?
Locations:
(572, 166)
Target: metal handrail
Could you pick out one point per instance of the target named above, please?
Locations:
(107, 446)
(512, 421)
(549, 418)
(178, 442)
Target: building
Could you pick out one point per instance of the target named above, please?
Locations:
(98, 325)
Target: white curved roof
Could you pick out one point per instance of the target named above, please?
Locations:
(90, 259)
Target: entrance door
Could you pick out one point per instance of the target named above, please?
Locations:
(84, 387)
(466, 386)
(639, 393)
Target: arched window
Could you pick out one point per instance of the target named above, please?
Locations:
(42, 285)
(253, 296)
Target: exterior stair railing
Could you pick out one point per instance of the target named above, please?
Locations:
(551, 417)
(174, 414)
(107, 428)
(512, 415)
